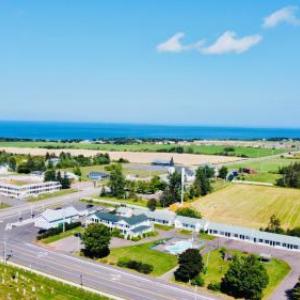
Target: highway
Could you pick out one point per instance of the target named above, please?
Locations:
(101, 277)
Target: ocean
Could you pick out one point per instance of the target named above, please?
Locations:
(63, 130)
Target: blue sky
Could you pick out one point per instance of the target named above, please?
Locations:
(173, 62)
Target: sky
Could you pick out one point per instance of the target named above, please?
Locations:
(209, 62)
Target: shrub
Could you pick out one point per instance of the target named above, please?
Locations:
(198, 281)
(214, 286)
(135, 265)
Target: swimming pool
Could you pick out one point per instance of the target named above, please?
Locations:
(179, 247)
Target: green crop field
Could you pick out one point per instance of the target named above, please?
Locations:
(217, 267)
(252, 206)
(150, 147)
(162, 262)
(16, 283)
(267, 170)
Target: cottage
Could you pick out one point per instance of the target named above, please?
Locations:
(52, 218)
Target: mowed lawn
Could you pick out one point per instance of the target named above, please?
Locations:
(251, 206)
(161, 262)
(217, 267)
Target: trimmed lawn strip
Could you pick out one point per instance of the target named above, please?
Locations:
(38, 287)
(4, 205)
(51, 195)
(162, 262)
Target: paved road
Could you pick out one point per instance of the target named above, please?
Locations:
(101, 277)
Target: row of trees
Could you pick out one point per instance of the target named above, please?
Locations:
(52, 175)
(290, 176)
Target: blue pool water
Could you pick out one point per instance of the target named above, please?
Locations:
(179, 247)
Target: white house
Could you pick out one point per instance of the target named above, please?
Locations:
(133, 226)
(52, 218)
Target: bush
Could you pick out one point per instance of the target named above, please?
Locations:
(214, 286)
(198, 281)
(188, 212)
(135, 265)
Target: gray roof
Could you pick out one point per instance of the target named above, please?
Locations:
(190, 221)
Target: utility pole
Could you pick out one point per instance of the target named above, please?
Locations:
(182, 184)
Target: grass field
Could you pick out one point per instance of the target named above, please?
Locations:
(51, 195)
(162, 262)
(217, 267)
(17, 283)
(62, 235)
(4, 205)
(251, 206)
(148, 147)
(128, 169)
(266, 169)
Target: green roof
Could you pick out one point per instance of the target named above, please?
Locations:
(114, 218)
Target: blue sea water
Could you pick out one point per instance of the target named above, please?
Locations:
(61, 130)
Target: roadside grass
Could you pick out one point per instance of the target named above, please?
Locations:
(217, 267)
(98, 203)
(17, 283)
(251, 205)
(149, 147)
(138, 202)
(62, 235)
(4, 205)
(162, 262)
(51, 195)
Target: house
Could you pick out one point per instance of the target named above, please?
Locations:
(96, 176)
(161, 217)
(52, 218)
(133, 226)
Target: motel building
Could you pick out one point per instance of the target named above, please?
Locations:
(133, 226)
(28, 190)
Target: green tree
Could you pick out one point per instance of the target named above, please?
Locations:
(172, 192)
(190, 265)
(294, 293)
(223, 172)
(117, 181)
(245, 278)
(77, 171)
(202, 183)
(156, 184)
(151, 204)
(274, 225)
(65, 182)
(12, 164)
(50, 175)
(96, 239)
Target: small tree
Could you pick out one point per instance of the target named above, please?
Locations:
(77, 171)
(96, 239)
(294, 293)
(245, 278)
(50, 175)
(151, 204)
(190, 265)
(65, 182)
(117, 181)
(202, 183)
(274, 225)
(223, 172)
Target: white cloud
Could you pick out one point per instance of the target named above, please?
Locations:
(229, 43)
(284, 15)
(174, 44)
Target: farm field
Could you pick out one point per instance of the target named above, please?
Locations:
(17, 283)
(217, 267)
(150, 147)
(162, 262)
(251, 206)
